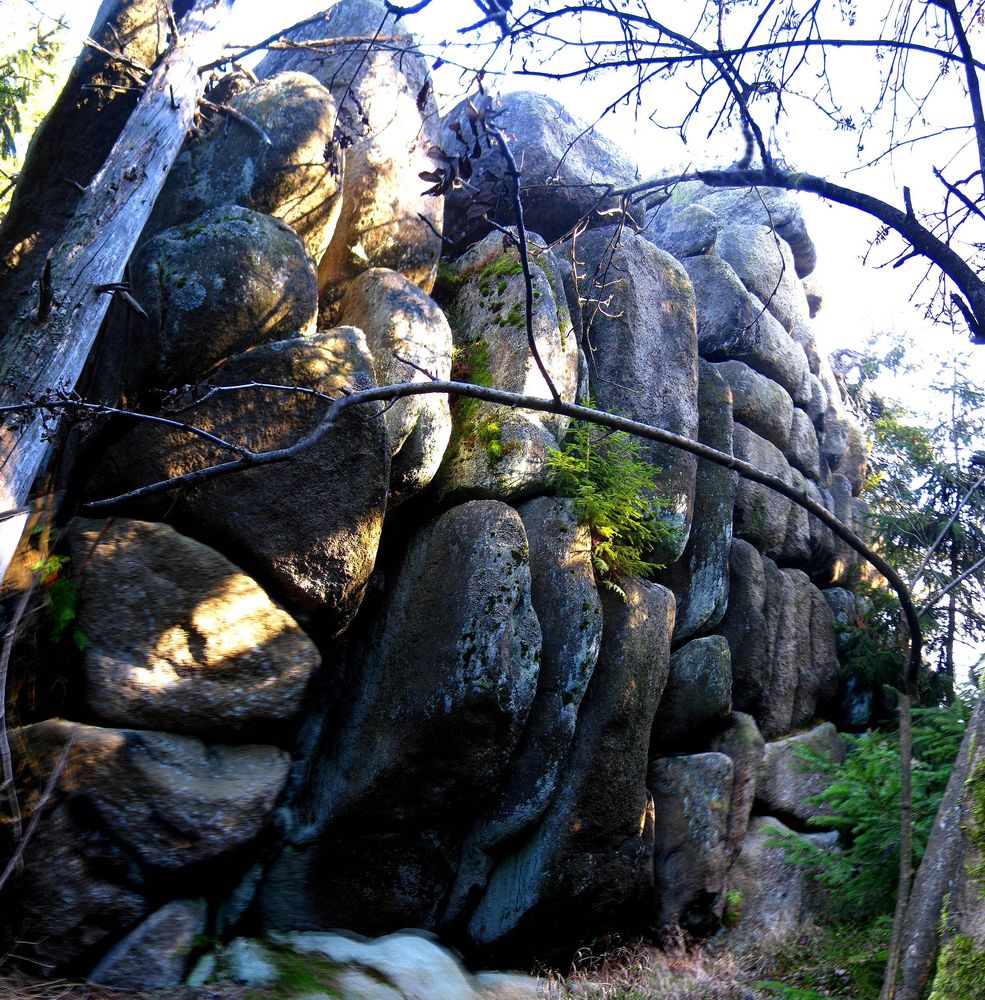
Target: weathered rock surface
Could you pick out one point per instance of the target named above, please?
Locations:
(228, 280)
(179, 638)
(742, 743)
(787, 782)
(772, 892)
(683, 231)
(643, 361)
(802, 450)
(308, 528)
(735, 326)
(699, 579)
(589, 862)
(758, 402)
(169, 801)
(778, 626)
(761, 514)
(569, 610)
(441, 688)
(295, 178)
(567, 170)
(496, 452)
(698, 695)
(691, 802)
(153, 956)
(399, 319)
(386, 218)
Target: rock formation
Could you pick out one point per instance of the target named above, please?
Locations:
(385, 684)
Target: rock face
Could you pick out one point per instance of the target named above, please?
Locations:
(198, 650)
(698, 696)
(386, 218)
(643, 357)
(438, 706)
(567, 169)
(296, 177)
(308, 528)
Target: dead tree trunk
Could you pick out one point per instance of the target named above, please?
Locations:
(44, 352)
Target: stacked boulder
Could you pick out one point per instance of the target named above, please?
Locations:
(375, 684)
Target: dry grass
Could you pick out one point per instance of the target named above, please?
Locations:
(16, 986)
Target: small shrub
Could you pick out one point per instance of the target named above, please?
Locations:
(613, 491)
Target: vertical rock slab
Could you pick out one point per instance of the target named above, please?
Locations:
(698, 695)
(437, 693)
(699, 579)
(297, 177)
(643, 356)
(761, 514)
(495, 451)
(589, 863)
(758, 402)
(742, 743)
(570, 614)
(308, 528)
(401, 321)
(179, 639)
(388, 121)
(691, 805)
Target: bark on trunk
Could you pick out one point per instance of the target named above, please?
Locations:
(46, 353)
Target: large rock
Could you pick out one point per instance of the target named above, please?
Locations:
(698, 695)
(154, 955)
(308, 528)
(771, 894)
(787, 783)
(495, 451)
(765, 265)
(682, 230)
(401, 321)
(438, 692)
(733, 325)
(802, 450)
(567, 168)
(691, 800)
(295, 178)
(588, 865)
(781, 637)
(743, 744)
(699, 579)
(179, 639)
(758, 402)
(761, 514)
(644, 362)
(388, 121)
(570, 614)
(210, 288)
(168, 801)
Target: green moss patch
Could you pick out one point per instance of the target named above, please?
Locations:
(298, 975)
(960, 971)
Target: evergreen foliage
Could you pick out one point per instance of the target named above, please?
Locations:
(613, 490)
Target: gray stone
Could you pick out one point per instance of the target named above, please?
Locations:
(171, 801)
(211, 288)
(700, 577)
(153, 956)
(761, 514)
(765, 265)
(250, 962)
(510, 986)
(797, 541)
(758, 402)
(771, 207)
(786, 782)
(399, 319)
(440, 685)
(570, 614)
(567, 169)
(354, 984)
(497, 452)
(802, 333)
(179, 639)
(643, 357)
(698, 695)
(735, 326)
(589, 862)
(772, 894)
(691, 799)
(742, 743)
(412, 963)
(308, 529)
(296, 178)
(784, 662)
(842, 604)
(802, 450)
(386, 219)
(682, 230)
